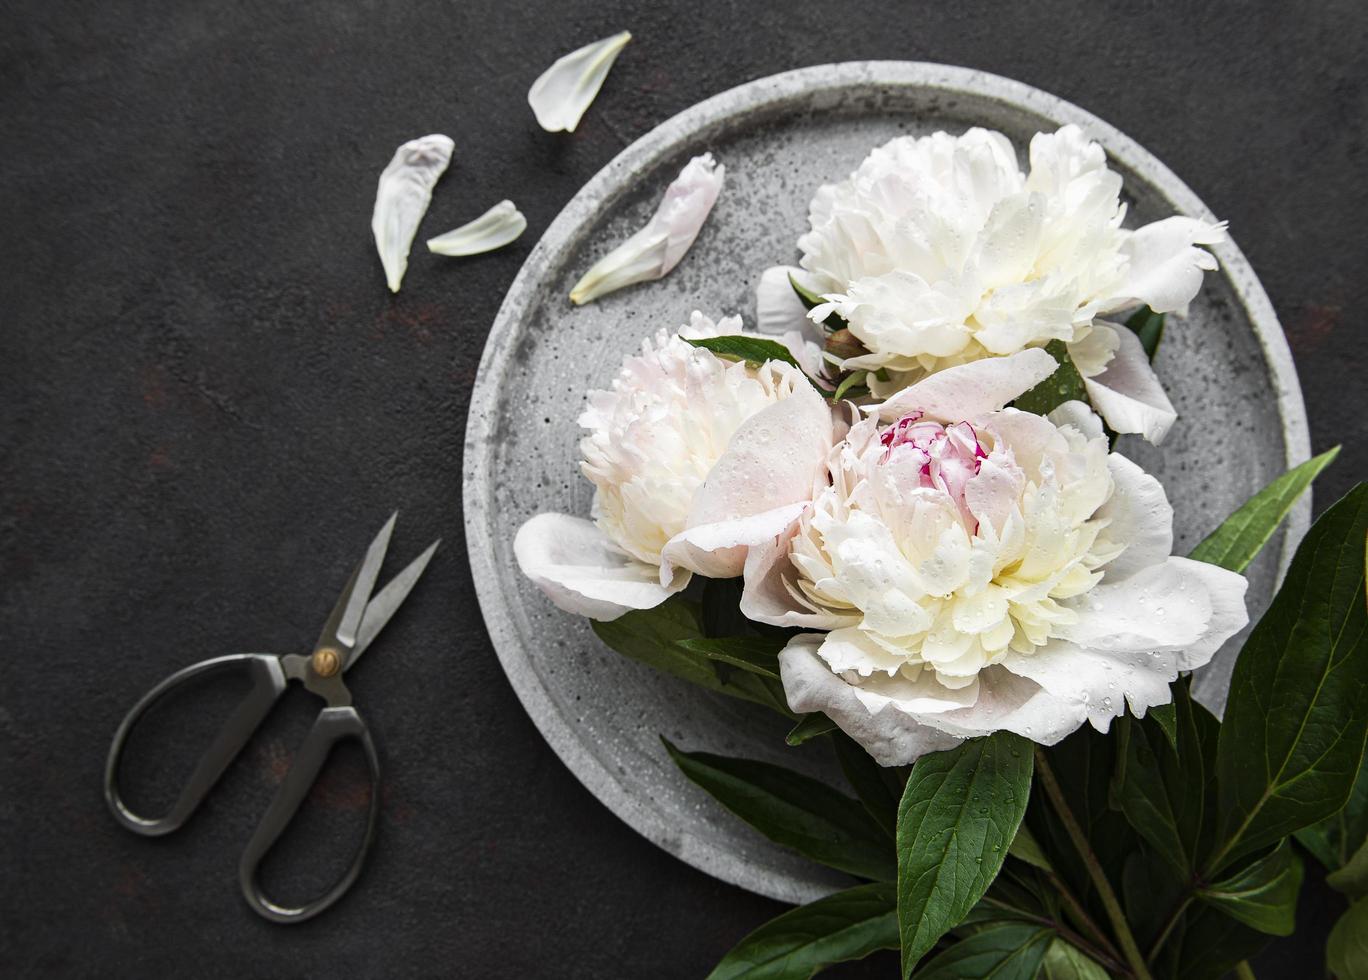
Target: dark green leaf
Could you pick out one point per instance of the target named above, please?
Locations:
(810, 726)
(1338, 836)
(722, 608)
(870, 781)
(807, 296)
(1293, 736)
(1346, 952)
(1352, 879)
(793, 810)
(1166, 717)
(1065, 962)
(1024, 847)
(1149, 327)
(757, 654)
(958, 815)
(756, 350)
(1263, 895)
(1161, 786)
(1066, 384)
(1210, 945)
(1151, 891)
(654, 637)
(1237, 541)
(836, 929)
(1007, 951)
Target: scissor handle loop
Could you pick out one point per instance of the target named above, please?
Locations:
(332, 726)
(268, 683)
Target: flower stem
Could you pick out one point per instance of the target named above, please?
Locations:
(1243, 971)
(1081, 914)
(1107, 958)
(1104, 889)
(1169, 926)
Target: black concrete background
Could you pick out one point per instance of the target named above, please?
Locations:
(210, 402)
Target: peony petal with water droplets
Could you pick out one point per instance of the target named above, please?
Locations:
(402, 199)
(564, 91)
(656, 249)
(497, 227)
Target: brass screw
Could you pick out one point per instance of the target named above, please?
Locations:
(326, 662)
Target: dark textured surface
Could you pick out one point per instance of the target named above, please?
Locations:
(210, 402)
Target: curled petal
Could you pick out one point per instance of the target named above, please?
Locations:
(497, 227)
(1139, 520)
(1181, 605)
(402, 199)
(1128, 393)
(1165, 266)
(582, 572)
(972, 389)
(718, 550)
(1080, 415)
(564, 91)
(656, 249)
(778, 309)
(1010, 702)
(768, 594)
(1102, 683)
(892, 737)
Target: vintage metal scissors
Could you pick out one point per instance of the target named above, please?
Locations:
(353, 625)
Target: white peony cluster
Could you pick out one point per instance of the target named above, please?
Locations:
(980, 568)
(939, 251)
(693, 459)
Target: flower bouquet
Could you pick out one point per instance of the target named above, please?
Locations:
(894, 512)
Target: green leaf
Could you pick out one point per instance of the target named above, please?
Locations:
(757, 654)
(1339, 835)
(1008, 951)
(722, 607)
(1026, 848)
(807, 296)
(655, 637)
(1346, 952)
(1263, 895)
(1166, 717)
(810, 726)
(1211, 945)
(1352, 879)
(1065, 962)
(1237, 541)
(755, 350)
(1293, 736)
(1066, 384)
(836, 929)
(871, 782)
(855, 379)
(1149, 327)
(793, 810)
(1161, 786)
(958, 815)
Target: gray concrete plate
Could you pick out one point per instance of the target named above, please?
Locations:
(1227, 370)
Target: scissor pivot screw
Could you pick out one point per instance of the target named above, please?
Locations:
(325, 662)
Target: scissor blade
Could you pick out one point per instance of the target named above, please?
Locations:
(387, 602)
(340, 629)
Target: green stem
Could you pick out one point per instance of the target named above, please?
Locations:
(1109, 960)
(1081, 914)
(1169, 926)
(1099, 879)
(1243, 971)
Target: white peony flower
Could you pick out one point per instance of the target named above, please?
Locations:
(938, 251)
(982, 568)
(694, 458)
(657, 248)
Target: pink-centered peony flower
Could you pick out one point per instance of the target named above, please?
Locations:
(939, 251)
(694, 459)
(979, 568)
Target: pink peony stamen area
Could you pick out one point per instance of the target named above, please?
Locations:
(947, 457)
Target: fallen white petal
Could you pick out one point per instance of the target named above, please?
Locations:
(582, 572)
(656, 249)
(1128, 393)
(564, 91)
(778, 309)
(892, 737)
(968, 390)
(497, 227)
(402, 199)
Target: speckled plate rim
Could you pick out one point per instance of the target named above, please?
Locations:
(665, 141)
